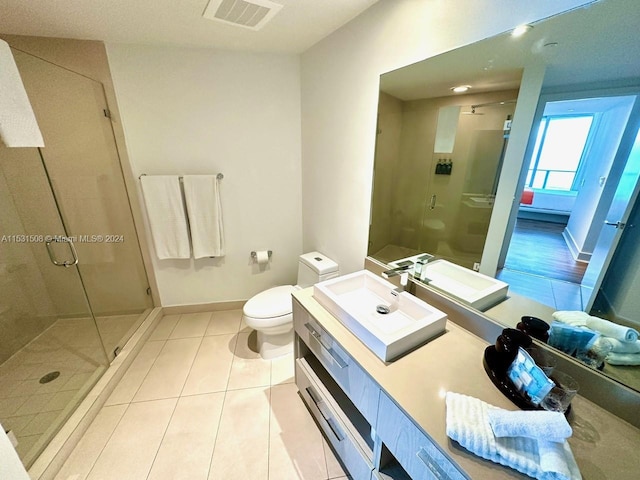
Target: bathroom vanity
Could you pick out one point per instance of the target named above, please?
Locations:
(387, 420)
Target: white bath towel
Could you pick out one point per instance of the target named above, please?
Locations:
(613, 330)
(623, 359)
(202, 194)
(18, 125)
(572, 317)
(165, 210)
(467, 423)
(620, 347)
(537, 424)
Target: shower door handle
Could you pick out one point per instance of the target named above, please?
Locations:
(432, 204)
(66, 263)
(619, 225)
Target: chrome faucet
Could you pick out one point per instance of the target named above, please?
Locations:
(404, 278)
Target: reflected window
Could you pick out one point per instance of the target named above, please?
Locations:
(559, 150)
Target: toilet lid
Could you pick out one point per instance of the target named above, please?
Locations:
(274, 302)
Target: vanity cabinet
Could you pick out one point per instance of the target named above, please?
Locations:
(370, 434)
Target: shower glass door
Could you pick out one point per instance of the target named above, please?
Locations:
(50, 351)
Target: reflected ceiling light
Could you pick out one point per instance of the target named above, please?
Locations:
(460, 88)
(520, 30)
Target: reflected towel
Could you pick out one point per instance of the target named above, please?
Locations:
(613, 330)
(620, 347)
(467, 423)
(18, 125)
(571, 317)
(623, 359)
(167, 220)
(202, 194)
(540, 425)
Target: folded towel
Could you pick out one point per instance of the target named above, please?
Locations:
(620, 347)
(167, 220)
(540, 425)
(613, 330)
(467, 423)
(18, 125)
(571, 317)
(202, 195)
(623, 359)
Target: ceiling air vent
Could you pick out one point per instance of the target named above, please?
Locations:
(253, 14)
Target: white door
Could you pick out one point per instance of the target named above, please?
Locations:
(623, 201)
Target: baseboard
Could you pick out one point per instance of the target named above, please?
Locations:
(204, 307)
(576, 253)
(56, 453)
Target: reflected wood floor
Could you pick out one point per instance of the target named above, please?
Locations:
(539, 248)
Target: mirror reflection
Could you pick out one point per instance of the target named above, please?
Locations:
(570, 242)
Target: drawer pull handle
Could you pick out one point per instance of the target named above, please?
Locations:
(325, 415)
(336, 358)
(432, 465)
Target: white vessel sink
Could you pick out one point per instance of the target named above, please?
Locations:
(353, 299)
(471, 288)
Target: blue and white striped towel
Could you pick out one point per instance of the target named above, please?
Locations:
(468, 424)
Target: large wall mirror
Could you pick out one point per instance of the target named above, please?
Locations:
(558, 183)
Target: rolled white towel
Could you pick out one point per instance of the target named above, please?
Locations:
(541, 425)
(571, 317)
(620, 347)
(613, 330)
(623, 359)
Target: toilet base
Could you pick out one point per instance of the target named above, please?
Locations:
(273, 346)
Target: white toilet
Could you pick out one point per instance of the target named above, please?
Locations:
(269, 312)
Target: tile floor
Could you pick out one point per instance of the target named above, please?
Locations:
(198, 403)
(33, 410)
(548, 291)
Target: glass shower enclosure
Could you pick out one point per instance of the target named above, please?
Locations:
(73, 286)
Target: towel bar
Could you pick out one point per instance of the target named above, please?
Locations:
(219, 176)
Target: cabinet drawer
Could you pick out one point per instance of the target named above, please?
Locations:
(358, 386)
(332, 422)
(412, 448)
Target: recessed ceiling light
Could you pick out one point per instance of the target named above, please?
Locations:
(520, 30)
(460, 88)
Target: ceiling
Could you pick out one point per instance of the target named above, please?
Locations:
(593, 44)
(296, 27)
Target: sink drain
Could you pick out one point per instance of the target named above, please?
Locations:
(50, 377)
(382, 309)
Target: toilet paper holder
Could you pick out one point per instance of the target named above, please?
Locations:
(254, 255)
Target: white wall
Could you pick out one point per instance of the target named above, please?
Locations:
(191, 111)
(340, 79)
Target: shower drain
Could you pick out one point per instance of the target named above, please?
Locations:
(50, 377)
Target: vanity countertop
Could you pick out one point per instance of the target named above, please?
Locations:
(604, 445)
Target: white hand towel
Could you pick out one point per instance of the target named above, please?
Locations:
(538, 424)
(571, 317)
(620, 347)
(202, 194)
(467, 423)
(613, 330)
(165, 210)
(623, 359)
(18, 125)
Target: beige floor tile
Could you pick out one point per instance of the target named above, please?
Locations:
(186, 450)
(40, 423)
(334, 469)
(164, 328)
(36, 404)
(134, 376)
(85, 454)
(17, 424)
(25, 444)
(295, 443)
(242, 445)
(248, 368)
(212, 365)
(191, 325)
(129, 453)
(9, 406)
(61, 399)
(170, 370)
(282, 369)
(223, 322)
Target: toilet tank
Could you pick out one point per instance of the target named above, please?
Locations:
(314, 267)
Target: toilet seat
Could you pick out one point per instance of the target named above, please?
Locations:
(270, 304)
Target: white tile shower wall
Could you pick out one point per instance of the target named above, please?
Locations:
(195, 111)
(340, 79)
